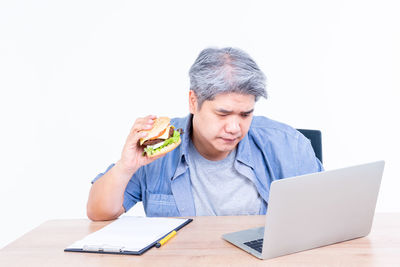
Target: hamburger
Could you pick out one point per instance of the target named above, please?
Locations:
(161, 139)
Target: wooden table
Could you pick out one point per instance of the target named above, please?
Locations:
(200, 244)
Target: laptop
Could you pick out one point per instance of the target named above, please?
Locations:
(314, 210)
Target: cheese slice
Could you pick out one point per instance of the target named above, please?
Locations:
(166, 134)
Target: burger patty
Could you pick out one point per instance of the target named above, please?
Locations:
(156, 141)
(152, 142)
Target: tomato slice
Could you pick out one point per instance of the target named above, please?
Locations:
(161, 133)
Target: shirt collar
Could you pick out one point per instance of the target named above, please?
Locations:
(183, 148)
(186, 137)
(243, 153)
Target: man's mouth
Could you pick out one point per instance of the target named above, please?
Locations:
(228, 140)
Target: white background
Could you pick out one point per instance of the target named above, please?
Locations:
(74, 76)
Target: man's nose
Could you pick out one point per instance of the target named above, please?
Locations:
(232, 127)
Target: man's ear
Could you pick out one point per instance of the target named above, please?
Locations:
(192, 102)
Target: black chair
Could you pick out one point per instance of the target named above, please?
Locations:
(316, 141)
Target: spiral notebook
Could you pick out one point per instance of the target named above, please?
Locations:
(128, 235)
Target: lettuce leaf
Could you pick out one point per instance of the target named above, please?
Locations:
(175, 138)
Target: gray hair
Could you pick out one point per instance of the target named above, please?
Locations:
(226, 70)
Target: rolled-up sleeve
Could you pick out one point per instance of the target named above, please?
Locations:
(102, 173)
(132, 193)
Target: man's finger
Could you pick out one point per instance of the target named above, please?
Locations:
(142, 124)
(153, 117)
(142, 134)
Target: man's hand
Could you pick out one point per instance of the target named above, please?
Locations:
(107, 193)
(132, 154)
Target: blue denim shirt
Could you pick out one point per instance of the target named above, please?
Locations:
(270, 151)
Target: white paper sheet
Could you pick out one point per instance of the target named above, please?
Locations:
(129, 233)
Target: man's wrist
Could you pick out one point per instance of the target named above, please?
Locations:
(125, 170)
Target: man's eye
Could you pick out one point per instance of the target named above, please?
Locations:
(222, 115)
(245, 115)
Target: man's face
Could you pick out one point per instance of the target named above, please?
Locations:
(220, 124)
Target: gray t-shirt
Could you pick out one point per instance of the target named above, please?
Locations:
(219, 189)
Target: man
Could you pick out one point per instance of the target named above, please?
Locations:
(227, 158)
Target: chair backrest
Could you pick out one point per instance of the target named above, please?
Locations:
(316, 141)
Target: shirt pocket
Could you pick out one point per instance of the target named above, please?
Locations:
(161, 205)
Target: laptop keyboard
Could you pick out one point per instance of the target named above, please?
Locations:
(255, 244)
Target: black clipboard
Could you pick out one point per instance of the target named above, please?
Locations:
(104, 249)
